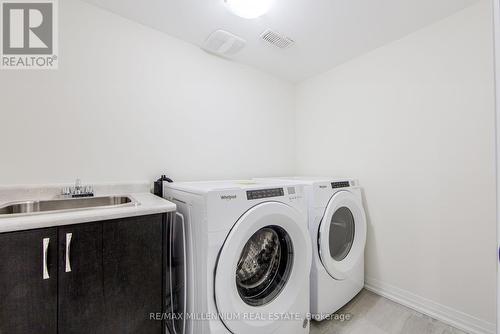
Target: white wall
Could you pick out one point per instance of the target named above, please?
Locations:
(414, 121)
(128, 102)
(496, 23)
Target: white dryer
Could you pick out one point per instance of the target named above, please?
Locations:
(248, 256)
(337, 224)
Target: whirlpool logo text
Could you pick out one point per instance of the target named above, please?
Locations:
(228, 197)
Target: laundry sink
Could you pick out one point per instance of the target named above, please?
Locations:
(49, 206)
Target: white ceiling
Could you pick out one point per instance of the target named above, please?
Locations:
(326, 32)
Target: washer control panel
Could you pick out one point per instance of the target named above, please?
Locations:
(340, 184)
(265, 193)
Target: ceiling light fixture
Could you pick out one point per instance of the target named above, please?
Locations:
(249, 9)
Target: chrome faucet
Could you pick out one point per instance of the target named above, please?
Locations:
(78, 190)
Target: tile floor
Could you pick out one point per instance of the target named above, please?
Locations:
(373, 314)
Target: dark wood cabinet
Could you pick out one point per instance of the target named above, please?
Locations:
(132, 262)
(81, 293)
(28, 282)
(105, 277)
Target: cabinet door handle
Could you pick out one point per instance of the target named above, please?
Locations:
(68, 251)
(45, 268)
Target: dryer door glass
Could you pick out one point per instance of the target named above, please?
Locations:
(341, 235)
(264, 265)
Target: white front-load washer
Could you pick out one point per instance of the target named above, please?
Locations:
(337, 224)
(247, 257)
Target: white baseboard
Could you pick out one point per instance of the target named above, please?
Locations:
(448, 315)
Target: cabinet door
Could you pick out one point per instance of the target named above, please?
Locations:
(132, 263)
(28, 282)
(81, 297)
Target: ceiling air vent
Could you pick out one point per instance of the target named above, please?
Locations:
(224, 43)
(276, 39)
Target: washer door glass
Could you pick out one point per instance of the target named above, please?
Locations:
(264, 265)
(341, 236)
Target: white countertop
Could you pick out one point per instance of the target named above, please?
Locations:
(147, 204)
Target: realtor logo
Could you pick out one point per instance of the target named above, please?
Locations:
(29, 34)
